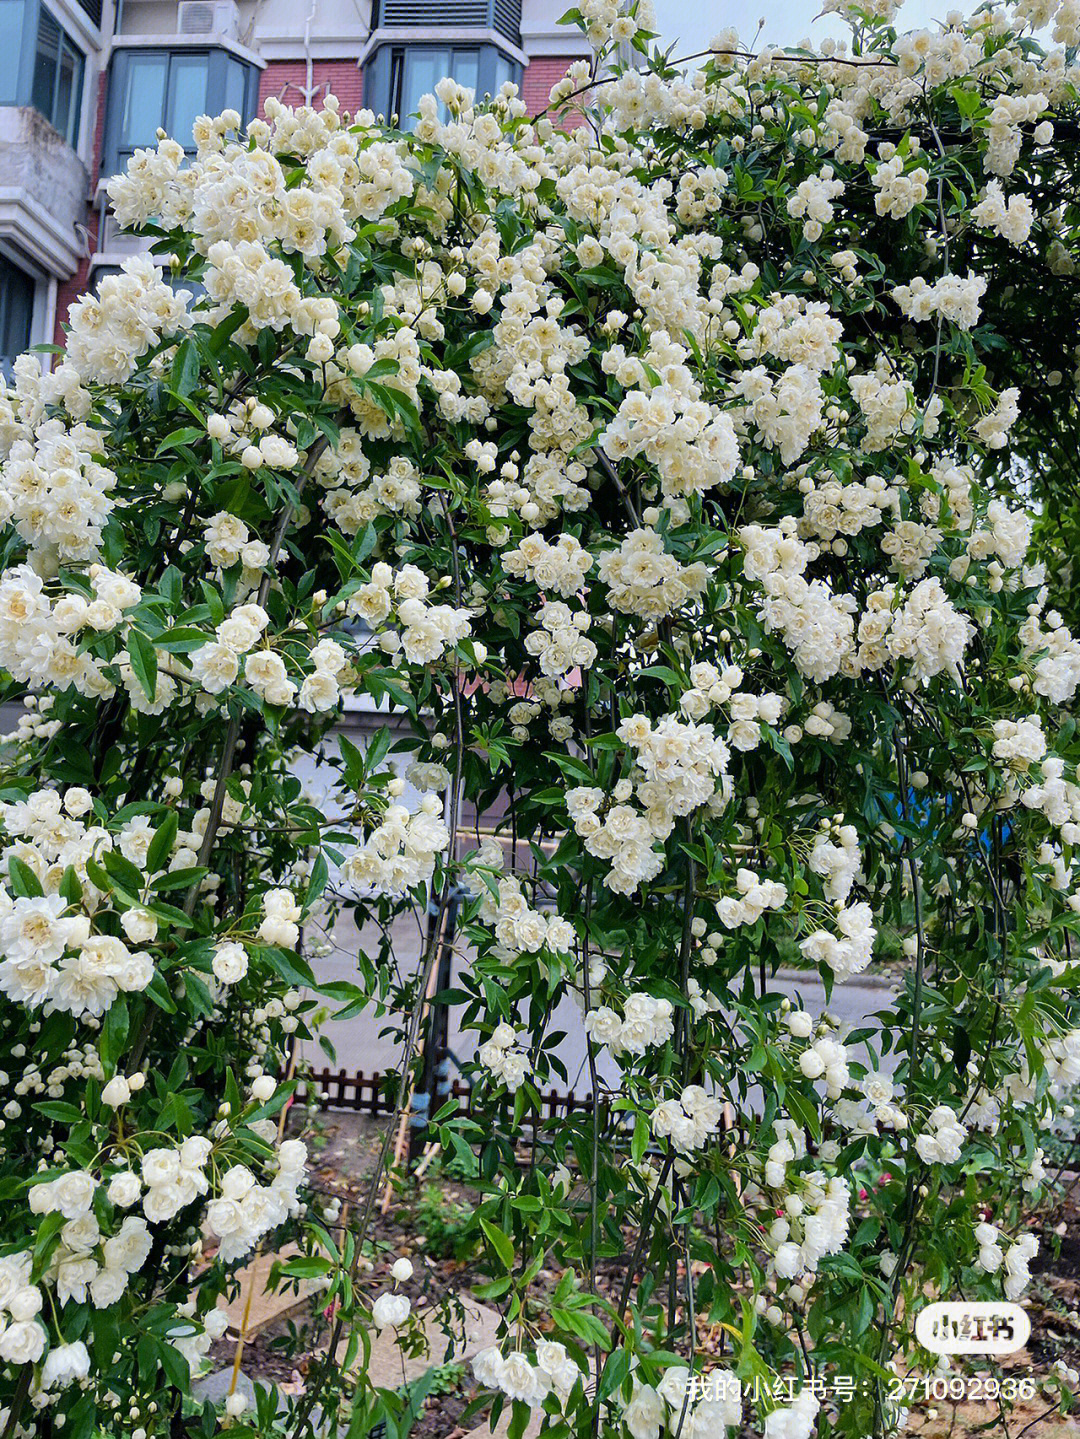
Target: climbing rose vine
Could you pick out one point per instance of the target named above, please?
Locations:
(646, 458)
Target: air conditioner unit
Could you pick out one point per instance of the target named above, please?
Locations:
(209, 17)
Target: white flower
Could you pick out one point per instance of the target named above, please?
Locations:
(22, 1342)
(124, 1189)
(390, 1311)
(107, 1286)
(292, 1156)
(215, 666)
(116, 1092)
(230, 962)
(487, 1367)
(646, 1413)
(319, 692)
(65, 1364)
(72, 1194)
(139, 925)
(519, 1380)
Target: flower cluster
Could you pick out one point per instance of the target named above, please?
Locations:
(244, 1209)
(645, 1022)
(689, 1121)
(561, 644)
(400, 852)
(518, 927)
(503, 1059)
(648, 485)
(644, 580)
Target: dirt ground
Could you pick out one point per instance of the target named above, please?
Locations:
(426, 1223)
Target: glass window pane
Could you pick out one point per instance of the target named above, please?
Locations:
(16, 313)
(423, 71)
(235, 88)
(12, 13)
(504, 70)
(46, 58)
(466, 68)
(67, 92)
(77, 94)
(187, 96)
(143, 102)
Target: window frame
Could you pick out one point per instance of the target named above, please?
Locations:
(218, 57)
(37, 292)
(26, 69)
(385, 70)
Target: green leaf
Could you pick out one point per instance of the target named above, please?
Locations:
(24, 882)
(70, 888)
(177, 879)
(124, 871)
(320, 875)
(179, 437)
(114, 1031)
(58, 1110)
(502, 1244)
(290, 966)
(184, 375)
(615, 1371)
(162, 844)
(143, 661)
(519, 1421)
(307, 1267)
(804, 1112)
(223, 333)
(175, 1366)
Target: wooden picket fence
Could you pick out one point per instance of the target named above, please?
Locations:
(374, 1094)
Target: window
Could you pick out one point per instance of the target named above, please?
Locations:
(58, 77)
(169, 89)
(40, 65)
(16, 313)
(11, 32)
(403, 73)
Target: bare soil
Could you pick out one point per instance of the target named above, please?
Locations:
(425, 1222)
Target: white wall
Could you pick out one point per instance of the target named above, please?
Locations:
(541, 34)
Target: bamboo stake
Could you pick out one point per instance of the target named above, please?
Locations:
(246, 1317)
(401, 1140)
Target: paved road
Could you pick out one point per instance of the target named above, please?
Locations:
(364, 1043)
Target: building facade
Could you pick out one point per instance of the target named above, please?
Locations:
(84, 83)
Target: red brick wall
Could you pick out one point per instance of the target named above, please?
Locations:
(99, 128)
(542, 72)
(286, 81)
(68, 291)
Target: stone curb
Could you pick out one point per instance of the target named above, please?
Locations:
(811, 976)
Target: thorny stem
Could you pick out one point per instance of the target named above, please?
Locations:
(643, 1235)
(232, 736)
(691, 1320)
(911, 1197)
(916, 899)
(943, 226)
(590, 1050)
(18, 1402)
(432, 949)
